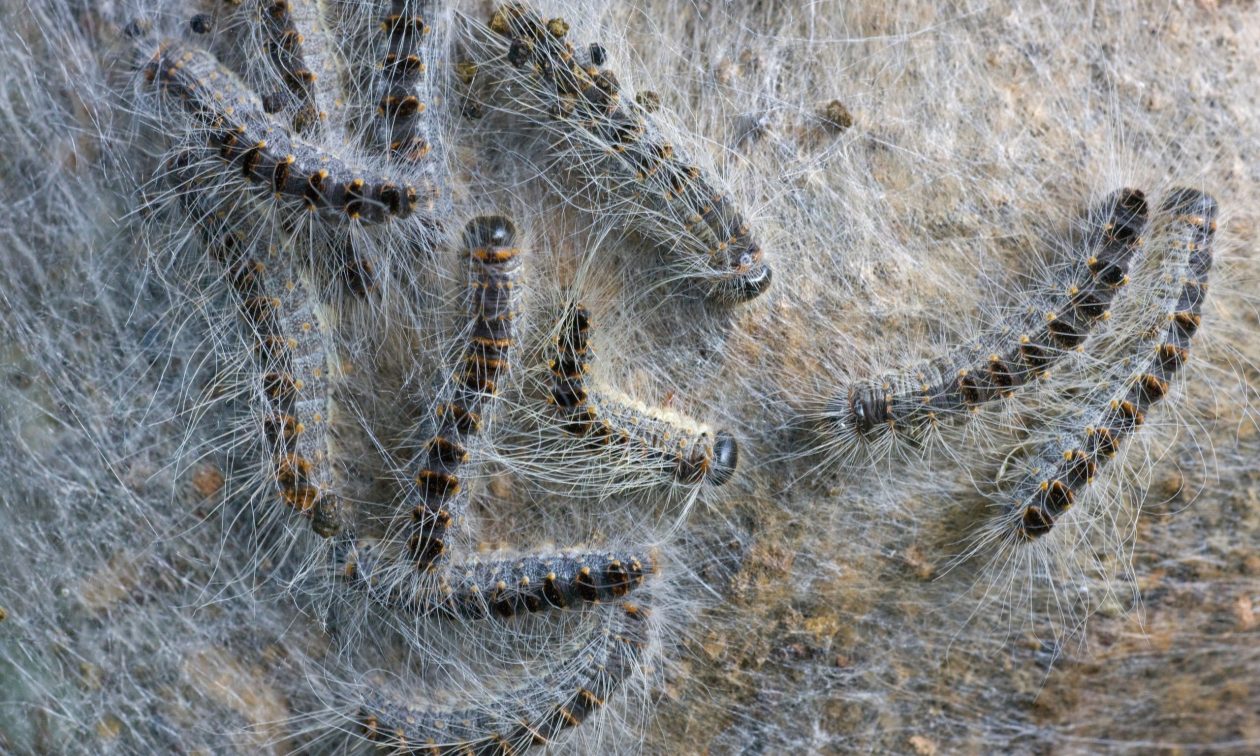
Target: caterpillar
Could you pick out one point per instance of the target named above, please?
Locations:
(913, 401)
(537, 714)
(249, 140)
(397, 59)
(1070, 460)
(686, 451)
(500, 588)
(618, 155)
(302, 52)
(278, 306)
(493, 266)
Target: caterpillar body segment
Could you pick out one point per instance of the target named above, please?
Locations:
(301, 77)
(1071, 459)
(250, 143)
(476, 588)
(616, 153)
(656, 439)
(493, 268)
(535, 715)
(948, 389)
(403, 50)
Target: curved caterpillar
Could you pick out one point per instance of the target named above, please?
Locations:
(618, 154)
(691, 454)
(949, 388)
(260, 148)
(538, 713)
(1069, 462)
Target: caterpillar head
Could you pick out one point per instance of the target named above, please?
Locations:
(725, 459)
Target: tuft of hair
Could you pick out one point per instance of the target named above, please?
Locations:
(924, 179)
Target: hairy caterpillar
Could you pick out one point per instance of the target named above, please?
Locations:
(295, 381)
(618, 155)
(502, 587)
(911, 402)
(1070, 460)
(400, 52)
(494, 265)
(278, 306)
(249, 140)
(537, 713)
(301, 57)
(687, 452)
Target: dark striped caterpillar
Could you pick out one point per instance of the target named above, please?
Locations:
(302, 52)
(250, 141)
(619, 156)
(493, 266)
(399, 81)
(538, 713)
(1069, 461)
(501, 587)
(950, 388)
(689, 453)
(278, 307)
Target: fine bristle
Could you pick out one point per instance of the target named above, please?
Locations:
(563, 377)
